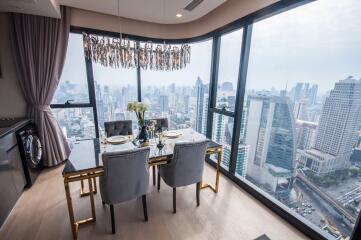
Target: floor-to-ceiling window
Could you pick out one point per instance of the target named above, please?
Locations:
(302, 112)
(71, 103)
(226, 91)
(114, 89)
(181, 95)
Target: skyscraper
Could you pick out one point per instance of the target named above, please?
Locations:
(100, 105)
(300, 110)
(306, 133)
(338, 128)
(297, 92)
(312, 94)
(242, 160)
(164, 103)
(304, 91)
(270, 134)
(201, 106)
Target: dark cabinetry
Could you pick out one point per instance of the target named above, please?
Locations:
(12, 179)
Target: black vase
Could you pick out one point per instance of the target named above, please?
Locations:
(143, 134)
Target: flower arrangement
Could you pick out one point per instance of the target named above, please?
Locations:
(139, 109)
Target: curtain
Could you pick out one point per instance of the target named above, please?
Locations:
(39, 47)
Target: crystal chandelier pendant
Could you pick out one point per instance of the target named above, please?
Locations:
(118, 52)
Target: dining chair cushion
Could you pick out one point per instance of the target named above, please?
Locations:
(186, 166)
(126, 175)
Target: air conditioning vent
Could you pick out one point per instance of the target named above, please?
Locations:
(192, 5)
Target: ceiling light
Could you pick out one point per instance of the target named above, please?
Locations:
(178, 15)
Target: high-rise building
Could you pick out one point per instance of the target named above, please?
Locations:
(305, 134)
(186, 104)
(338, 129)
(300, 110)
(242, 160)
(304, 91)
(205, 114)
(100, 106)
(270, 134)
(296, 92)
(164, 103)
(312, 94)
(219, 127)
(201, 106)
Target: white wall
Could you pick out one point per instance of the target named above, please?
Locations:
(12, 103)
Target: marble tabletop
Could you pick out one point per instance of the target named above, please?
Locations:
(86, 154)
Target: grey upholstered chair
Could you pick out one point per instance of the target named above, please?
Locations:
(185, 168)
(126, 177)
(123, 127)
(161, 123)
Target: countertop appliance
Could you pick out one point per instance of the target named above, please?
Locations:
(31, 152)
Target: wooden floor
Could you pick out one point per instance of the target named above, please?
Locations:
(41, 213)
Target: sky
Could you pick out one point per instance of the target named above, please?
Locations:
(319, 43)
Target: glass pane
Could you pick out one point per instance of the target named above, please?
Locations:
(76, 123)
(230, 53)
(114, 89)
(302, 112)
(73, 83)
(222, 133)
(181, 95)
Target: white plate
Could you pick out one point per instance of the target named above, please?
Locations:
(117, 139)
(172, 134)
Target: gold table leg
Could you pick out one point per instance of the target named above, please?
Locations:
(84, 193)
(75, 224)
(74, 229)
(215, 188)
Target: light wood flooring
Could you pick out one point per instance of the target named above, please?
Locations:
(41, 213)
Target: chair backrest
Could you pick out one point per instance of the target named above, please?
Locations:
(186, 166)
(161, 123)
(123, 127)
(126, 175)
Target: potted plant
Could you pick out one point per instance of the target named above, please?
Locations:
(139, 109)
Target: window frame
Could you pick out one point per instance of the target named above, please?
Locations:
(91, 94)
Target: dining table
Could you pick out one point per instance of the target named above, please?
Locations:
(84, 164)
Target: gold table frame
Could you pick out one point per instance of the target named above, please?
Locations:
(92, 174)
(218, 151)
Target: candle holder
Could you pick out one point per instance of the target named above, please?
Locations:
(160, 143)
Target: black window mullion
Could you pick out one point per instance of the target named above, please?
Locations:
(241, 87)
(222, 111)
(91, 91)
(139, 84)
(71, 105)
(139, 80)
(213, 83)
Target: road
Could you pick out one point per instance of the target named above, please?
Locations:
(326, 197)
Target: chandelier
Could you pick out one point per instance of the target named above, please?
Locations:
(119, 52)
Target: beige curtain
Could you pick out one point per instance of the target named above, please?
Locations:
(39, 47)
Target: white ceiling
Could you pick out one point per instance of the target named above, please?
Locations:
(157, 11)
(48, 8)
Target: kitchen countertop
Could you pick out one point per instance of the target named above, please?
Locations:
(8, 125)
